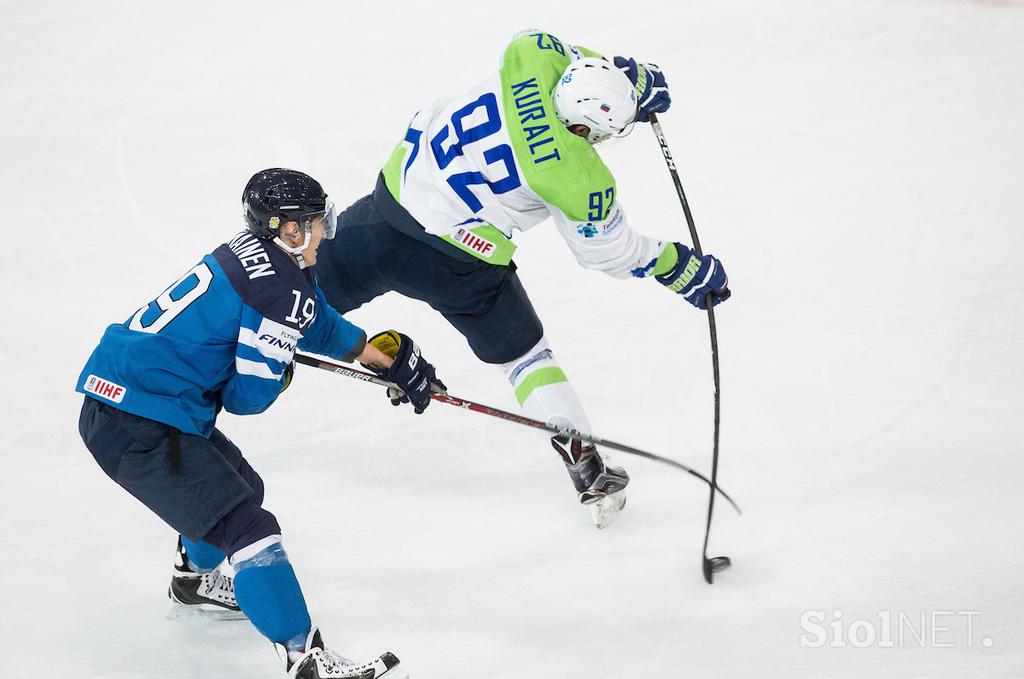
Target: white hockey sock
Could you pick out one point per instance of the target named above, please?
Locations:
(542, 389)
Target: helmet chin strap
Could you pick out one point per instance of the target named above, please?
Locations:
(296, 253)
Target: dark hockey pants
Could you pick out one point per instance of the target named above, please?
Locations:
(202, 488)
(372, 253)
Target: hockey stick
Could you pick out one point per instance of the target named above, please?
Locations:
(717, 563)
(345, 371)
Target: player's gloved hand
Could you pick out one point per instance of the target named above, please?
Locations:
(651, 88)
(413, 374)
(695, 277)
(286, 379)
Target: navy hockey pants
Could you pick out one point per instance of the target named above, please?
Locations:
(203, 488)
(371, 255)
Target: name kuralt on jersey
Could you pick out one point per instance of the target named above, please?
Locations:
(251, 255)
(530, 108)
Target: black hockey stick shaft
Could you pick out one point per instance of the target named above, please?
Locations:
(708, 565)
(331, 366)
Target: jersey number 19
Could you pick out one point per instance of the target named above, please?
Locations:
(173, 300)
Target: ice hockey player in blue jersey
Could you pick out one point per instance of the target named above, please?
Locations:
(224, 336)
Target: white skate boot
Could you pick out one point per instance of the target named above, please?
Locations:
(209, 593)
(317, 662)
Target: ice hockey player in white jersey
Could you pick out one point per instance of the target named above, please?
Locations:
(470, 171)
(223, 336)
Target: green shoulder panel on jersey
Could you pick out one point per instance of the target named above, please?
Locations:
(561, 168)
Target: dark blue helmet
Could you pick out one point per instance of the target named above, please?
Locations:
(276, 196)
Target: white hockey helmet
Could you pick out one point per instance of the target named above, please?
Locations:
(594, 93)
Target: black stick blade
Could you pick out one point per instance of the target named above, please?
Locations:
(715, 564)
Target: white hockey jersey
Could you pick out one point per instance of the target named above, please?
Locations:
(475, 168)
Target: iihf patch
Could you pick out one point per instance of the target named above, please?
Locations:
(104, 389)
(475, 242)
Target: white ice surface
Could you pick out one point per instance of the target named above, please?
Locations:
(858, 165)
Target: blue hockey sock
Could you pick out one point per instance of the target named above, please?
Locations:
(269, 594)
(203, 556)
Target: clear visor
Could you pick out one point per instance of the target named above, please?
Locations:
(328, 220)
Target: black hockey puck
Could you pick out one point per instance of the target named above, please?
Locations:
(719, 563)
(715, 564)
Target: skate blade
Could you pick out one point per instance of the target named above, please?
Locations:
(606, 510)
(393, 673)
(385, 666)
(205, 611)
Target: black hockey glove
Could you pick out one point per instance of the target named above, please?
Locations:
(413, 374)
(286, 378)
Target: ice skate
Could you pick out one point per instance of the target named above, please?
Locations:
(211, 593)
(317, 662)
(597, 484)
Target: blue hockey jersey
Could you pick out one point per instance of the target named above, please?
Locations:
(220, 336)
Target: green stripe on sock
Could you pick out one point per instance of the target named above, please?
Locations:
(539, 378)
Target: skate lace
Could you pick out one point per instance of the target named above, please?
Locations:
(335, 663)
(220, 587)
